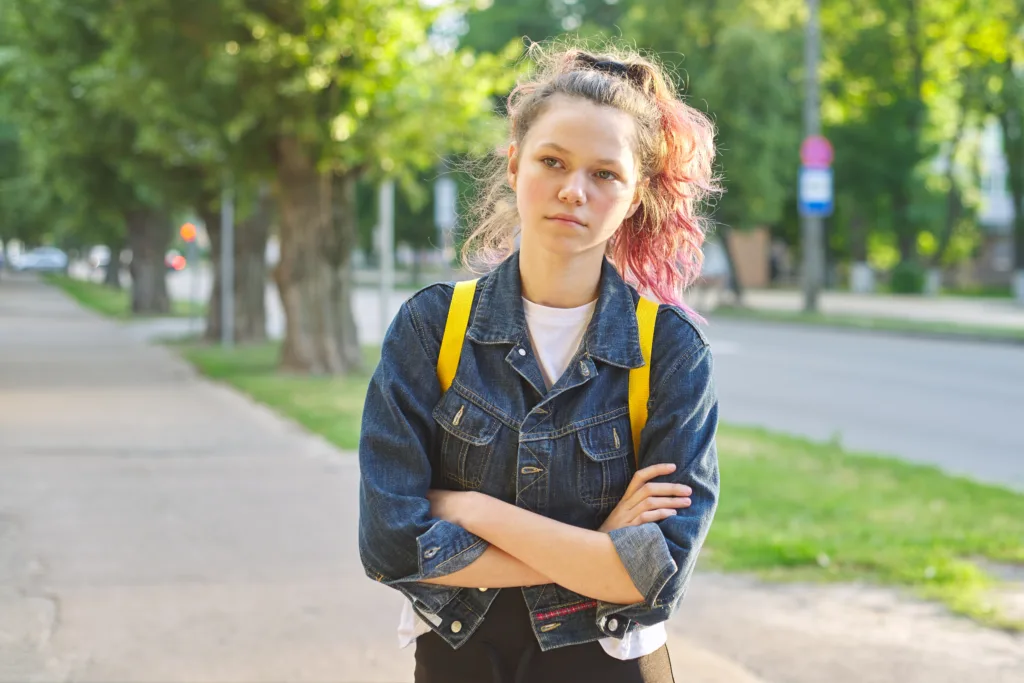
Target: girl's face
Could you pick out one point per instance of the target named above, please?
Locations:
(575, 176)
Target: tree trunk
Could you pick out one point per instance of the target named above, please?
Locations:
(734, 277)
(346, 235)
(250, 282)
(954, 203)
(906, 234)
(149, 234)
(1011, 119)
(304, 273)
(112, 273)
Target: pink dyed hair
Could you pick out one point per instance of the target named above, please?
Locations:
(658, 249)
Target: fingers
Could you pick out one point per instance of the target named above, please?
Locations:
(646, 474)
(654, 503)
(653, 516)
(662, 490)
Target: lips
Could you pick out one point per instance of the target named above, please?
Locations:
(566, 218)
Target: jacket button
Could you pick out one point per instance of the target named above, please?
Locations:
(584, 368)
(613, 624)
(522, 352)
(456, 626)
(430, 553)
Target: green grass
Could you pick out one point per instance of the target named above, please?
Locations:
(980, 291)
(873, 323)
(329, 406)
(791, 509)
(115, 303)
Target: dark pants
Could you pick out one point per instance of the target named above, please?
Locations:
(504, 650)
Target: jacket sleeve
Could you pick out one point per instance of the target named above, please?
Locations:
(400, 543)
(681, 425)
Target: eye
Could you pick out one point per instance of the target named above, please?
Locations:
(550, 162)
(607, 175)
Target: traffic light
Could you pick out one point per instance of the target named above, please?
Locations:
(188, 232)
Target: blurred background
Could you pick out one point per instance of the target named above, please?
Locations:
(177, 477)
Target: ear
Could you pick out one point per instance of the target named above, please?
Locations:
(513, 165)
(638, 196)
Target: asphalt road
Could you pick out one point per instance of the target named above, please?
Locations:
(959, 405)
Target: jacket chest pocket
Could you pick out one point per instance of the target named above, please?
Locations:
(603, 463)
(467, 438)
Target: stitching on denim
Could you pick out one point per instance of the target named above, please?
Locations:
(417, 323)
(565, 610)
(483, 404)
(456, 555)
(579, 424)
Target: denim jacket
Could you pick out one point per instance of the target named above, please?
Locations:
(565, 453)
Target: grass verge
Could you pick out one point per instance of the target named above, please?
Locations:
(114, 303)
(900, 325)
(791, 509)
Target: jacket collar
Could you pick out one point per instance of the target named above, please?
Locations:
(612, 336)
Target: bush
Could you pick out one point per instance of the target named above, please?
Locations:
(907, 278)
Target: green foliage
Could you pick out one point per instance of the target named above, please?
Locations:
(907, 278)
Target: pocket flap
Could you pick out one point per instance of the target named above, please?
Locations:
(465, 420)
(606, 440)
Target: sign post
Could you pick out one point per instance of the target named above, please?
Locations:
(386, 244)
(188, 236)
(445, 198)
(815, 198)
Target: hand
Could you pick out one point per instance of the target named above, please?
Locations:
(447, 505)
(645, 501)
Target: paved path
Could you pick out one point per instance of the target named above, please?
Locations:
(156, 528)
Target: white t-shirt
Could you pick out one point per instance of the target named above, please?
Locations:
(555, 334)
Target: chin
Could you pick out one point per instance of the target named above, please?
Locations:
(562, 245)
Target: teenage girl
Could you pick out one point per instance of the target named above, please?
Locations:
(533, 538)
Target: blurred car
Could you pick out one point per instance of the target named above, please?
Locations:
(41, 260)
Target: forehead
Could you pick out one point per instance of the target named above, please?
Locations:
(584, 129)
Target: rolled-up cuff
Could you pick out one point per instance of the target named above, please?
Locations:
(445, 548)
(645, 554)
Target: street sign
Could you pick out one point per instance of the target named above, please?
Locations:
(815, 196)
(816, 152)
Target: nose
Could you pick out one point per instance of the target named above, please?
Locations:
(572, 192)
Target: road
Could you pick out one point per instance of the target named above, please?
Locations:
(958, 405)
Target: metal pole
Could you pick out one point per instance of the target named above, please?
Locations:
(227, 268)
(193, 265)
(386, 213)
(812, 226)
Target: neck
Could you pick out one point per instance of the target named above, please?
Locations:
(558, 281)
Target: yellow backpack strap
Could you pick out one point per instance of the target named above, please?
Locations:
(640, 378)
(455, 332)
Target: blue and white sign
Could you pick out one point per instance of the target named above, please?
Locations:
(815, 195)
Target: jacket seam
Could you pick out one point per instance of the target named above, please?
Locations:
(440, 565)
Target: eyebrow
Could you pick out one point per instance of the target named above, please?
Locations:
(558, 148)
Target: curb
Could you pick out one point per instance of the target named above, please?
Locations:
(976, 337)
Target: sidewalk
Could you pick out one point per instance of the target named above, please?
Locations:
(155, 527)
(956, 310)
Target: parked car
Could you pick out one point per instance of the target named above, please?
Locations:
(41, 260)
